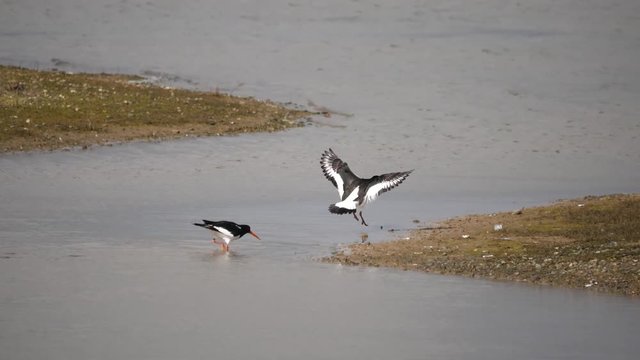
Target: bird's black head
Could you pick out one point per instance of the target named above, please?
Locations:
(246, 229)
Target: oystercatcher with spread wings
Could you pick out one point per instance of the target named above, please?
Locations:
(224, 232)
(356, 192)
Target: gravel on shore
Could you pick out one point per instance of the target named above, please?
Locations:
(592, 243)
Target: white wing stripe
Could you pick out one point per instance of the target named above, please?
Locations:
(374, 191)
(223, 231)
(340, 184)
(328, 170)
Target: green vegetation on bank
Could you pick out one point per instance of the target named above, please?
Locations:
(591, 243)
(43, 110)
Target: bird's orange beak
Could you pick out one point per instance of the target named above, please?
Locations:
(254, 235)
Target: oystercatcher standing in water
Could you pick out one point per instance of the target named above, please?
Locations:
(224, 232)
(355, 192)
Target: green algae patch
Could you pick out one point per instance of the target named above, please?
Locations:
(590, 243)
(47, 110)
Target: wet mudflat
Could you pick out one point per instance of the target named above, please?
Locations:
(98, 256)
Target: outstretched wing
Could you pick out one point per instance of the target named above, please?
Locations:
(383, 183)
(330, 162)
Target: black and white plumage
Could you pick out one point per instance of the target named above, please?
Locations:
(224, 232)
(356, 192)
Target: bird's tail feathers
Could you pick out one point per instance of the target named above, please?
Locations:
(339, 210)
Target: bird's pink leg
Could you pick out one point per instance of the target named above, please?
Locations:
(223, 245)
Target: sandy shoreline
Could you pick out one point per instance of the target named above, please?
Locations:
(591, 243)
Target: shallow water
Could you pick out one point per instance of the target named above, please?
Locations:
(98, 257)
(159, 302)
